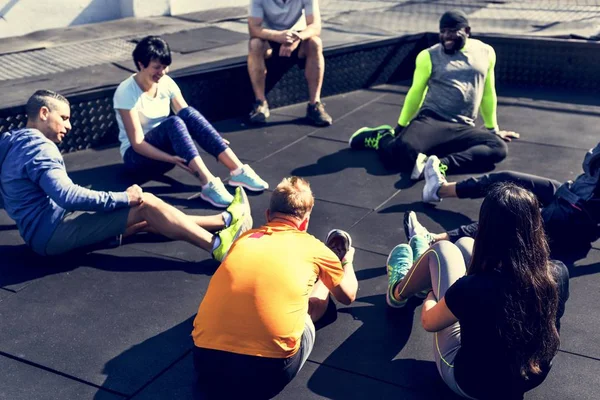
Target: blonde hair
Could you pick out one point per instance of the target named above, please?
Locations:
(292, 196)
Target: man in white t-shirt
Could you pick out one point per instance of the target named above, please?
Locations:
(273, 32)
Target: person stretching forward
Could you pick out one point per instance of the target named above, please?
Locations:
(254, 327)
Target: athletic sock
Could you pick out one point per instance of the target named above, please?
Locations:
(227, 218)
(205, 186)
(217, 243)
(237, 171)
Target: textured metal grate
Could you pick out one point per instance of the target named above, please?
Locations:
(540, 63)
(63, 58)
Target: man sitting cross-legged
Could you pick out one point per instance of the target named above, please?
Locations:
(54, 215)
(254, 327)
(453, 80)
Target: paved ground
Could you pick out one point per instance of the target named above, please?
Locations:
(115, 323)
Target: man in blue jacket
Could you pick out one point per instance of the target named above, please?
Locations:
(54, 215)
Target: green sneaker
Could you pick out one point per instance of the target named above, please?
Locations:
(368, 138)
(398, 264)
(230, 235)
(239, 207)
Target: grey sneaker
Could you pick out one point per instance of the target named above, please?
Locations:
(260, 112)
(317, 115)
(412, 228)
(339, 242)
(434, 179)
(417, 172)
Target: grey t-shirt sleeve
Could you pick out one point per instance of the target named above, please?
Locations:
(308, 7)
(256, 9)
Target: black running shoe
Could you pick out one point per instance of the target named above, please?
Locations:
(368, 138)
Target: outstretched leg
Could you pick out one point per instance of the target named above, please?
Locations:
(170, 222)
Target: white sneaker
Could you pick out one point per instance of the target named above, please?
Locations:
(417, 172)
(434, 179)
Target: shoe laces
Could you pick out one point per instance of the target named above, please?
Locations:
(373, 141)
(319, 105)
(443, 169)
(250, 173)
(219, 188)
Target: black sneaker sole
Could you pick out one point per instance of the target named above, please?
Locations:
(258, 120)
(405, 224)
(320, 123)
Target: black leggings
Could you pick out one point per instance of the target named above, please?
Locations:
(566, 227)
(461, 147)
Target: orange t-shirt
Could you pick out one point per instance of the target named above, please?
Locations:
(257, 301)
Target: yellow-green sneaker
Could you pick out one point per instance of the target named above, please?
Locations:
(229, 235)
(239, 207)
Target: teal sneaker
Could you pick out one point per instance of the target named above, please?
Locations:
(419, 246)
(216, 194)
(229, 235)
(368, 138)
(398, 264)
(248, 179)
(239, 207)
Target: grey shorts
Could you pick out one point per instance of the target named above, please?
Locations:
(84, 228)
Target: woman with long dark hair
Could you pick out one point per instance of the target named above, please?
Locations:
(496, 322)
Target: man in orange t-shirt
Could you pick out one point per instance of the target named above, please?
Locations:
(254, 329)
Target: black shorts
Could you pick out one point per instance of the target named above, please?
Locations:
(226, 375)
(293, 59)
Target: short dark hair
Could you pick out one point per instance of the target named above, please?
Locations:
(151, 48)
(43, 98)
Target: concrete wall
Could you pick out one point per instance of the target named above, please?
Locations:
(19, 17)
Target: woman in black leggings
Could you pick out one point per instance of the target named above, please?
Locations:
(570, 211)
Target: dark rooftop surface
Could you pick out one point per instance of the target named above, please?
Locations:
(115, 323)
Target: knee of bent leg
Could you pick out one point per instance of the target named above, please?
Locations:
(314, 44)
(500, 151)
(174, 122)
(150, 200)
(445, 248)
(256, 46)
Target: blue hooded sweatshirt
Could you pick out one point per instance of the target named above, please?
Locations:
(37, 191)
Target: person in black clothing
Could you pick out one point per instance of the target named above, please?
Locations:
(497, 328)
(570, 211)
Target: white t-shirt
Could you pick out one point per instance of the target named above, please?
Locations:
(151, 110)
